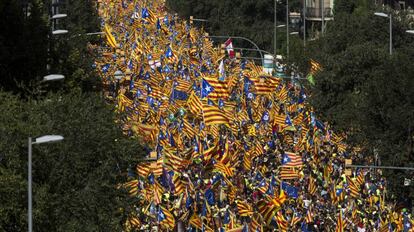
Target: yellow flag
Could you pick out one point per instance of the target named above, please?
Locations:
(109, 37)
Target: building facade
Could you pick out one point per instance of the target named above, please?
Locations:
(319, 10)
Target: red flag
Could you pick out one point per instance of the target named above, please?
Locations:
(229, 47)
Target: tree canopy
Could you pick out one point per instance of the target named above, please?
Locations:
(253, 19)
(74, 181)
(27, 45)
(362, 89)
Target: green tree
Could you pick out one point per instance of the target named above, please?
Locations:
(363, 90)
(26, 37)
(253, 19)
(70, 55)
(23, 45)
(75, 181)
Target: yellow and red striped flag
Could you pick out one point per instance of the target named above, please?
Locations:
(195, 221)
(247, 162)
(262, 85)
(353, 187)
(168, 219)
(179, 186)
(266, 210)
(194, 104)
(173, 161)
(244, 209)
(291, 159)
(295, 219)
(360, 179)
(309, 215)
(213, 115)
(224, 169)
(288, 173)
(340, 223)
(109, 37)
(281, 221)
(312, 186)
(255, 224)
(220, 88)
(283, 94)
(132, 187)
(280, 119)
(143, 169)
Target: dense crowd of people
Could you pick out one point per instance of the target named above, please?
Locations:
(233, 147)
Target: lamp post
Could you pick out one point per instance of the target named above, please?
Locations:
(274, 29)
(278, 26)
(42, 139)
(380, 14)
(287, 29)
(410, 32)
(323, 16)
(304, 23)
(287, 41)
(54, 18)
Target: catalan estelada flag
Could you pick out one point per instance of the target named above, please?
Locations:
(220, 88)
(290, 159)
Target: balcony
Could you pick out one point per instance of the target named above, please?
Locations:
(315, 14)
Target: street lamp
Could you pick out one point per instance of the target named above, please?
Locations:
(380, 14)
(40, 140)
(59, 32)
(410, 31)
(59, 16)
(53, 77)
